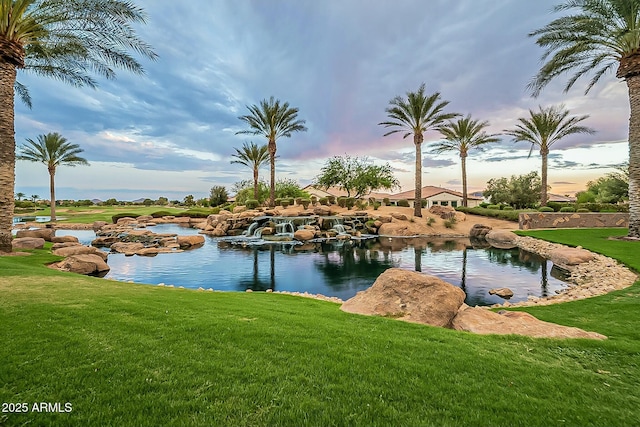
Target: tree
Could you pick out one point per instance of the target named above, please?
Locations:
(218, 195)
(20, 195)
(415, 115)
(53, 150)
(189, 200)
(253, 157)
(520, 191)
(543, 129)
(597, 37)
(461, 136)
(66, 39)
(357, 176)
(611, 188)
(272, 120)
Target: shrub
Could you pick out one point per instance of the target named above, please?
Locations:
(484, 204)
(376, 205)
(350, 202)
(430, 220)
(494, 207)
(555, 206)
(323, 201)
(386, 201)
(298, 200)
(284, 203)
(492, 213)
(372, 200)
(331, 200)
(252, 204)
(423, 203)
(582, 210)
(278, 201)
(314, 200)
(290, 200)
(567, 209)
(404, 203)
(361, 205)
(450, 223)
(545, 209)
(507, 208)
(160, 214)
(305, 203)
(342, 202)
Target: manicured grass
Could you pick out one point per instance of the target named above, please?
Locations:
(89, 214)
(126, 354)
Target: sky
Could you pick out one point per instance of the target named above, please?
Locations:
(173, 131)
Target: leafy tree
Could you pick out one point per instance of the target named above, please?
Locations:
(53, 150)
(543, 129)
(110, 202)
(147, 202)
(254, 157)
(357, 176)
(19, 196)
(461, 136)
(272, 120)
(218, 195)
(611, 188)
(520, 191)
(189, 200)
(415, 115)
(596, 37)
(66, 39)
(244, 191)
(162, 201)
(287, 187)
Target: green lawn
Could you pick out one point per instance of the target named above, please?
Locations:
(138, 355)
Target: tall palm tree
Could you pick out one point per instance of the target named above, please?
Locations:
(461, 136)
(70, 40)
(543, 129)
(596, 37)
(254, 157)
(53, 150)
(19, 196)
(273, 120)
(415, 115)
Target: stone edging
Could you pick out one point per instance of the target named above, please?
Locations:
(597, 277)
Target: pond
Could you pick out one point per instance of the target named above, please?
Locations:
(338, 269)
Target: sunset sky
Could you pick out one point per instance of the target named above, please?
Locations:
(172, 132)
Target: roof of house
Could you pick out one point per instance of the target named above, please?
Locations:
(559, 198)
(430, 191)
(338, 192)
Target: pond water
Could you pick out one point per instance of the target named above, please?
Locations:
(336, 269)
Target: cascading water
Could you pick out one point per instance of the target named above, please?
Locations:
(251, 230)
(285, 228)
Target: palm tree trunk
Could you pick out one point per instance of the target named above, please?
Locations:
(272, 162)
(7, 153)
(543, 192)
(52, 192)
(417, 198)
(255, 183)
(633, 83)
(463, 161)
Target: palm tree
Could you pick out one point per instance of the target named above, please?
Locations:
(254, 157)
(69, 40)
(596, 37)
(53, 150)
(414, 116)
(543, 129)
(19, 196)
(272, 120)
(461, 136)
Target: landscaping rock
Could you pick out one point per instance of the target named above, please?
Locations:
(88, 264)
(483, 321)
(399, 216)
(505, 293)
(43, 233)
(502, 239)
(322, 210)
(64, 239)
(80, 250)
(570, 256)
(97, 225)
(303, 235)
(479, 231)
(27, 243)
(190, 241)
(441, 211)
(64, 245)
(409, 296)
(126, 248)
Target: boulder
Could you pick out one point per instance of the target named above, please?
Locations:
(43, 233)
(460, 216)
(570, 256)
(403, 228)
(97, 225)
(239, 209)
(80, 250)
(125, 220)
(483, 321)
(64, 239)
(441, 210)
(399, 216)
(303, 235)
(322, 210)
(126, 248)
(27, 243)
(88, 264)
(505, 293)
(105, 241)
(145, 218)
(190, 241)
(502, 239)
(479, 231)
(64, 245)
(409, 296)
(384, 219)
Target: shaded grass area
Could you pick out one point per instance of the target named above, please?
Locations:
(127, 354)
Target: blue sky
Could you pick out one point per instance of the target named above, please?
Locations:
(172, 132)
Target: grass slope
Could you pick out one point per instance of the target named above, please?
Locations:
(126, 354)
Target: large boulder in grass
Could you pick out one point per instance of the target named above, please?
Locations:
(27, 243)
(409, 296)
(80, 250)
(190, 241)
(43, 233)
(88, 264)
(502, 239)
(564, 257)
(483, 321)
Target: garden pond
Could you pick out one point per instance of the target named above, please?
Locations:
(335, 268)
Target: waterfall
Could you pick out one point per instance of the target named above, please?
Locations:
(339, 228)
(250, 231)
(285, 228)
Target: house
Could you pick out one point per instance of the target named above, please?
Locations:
(433, 195)
(560, 199)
